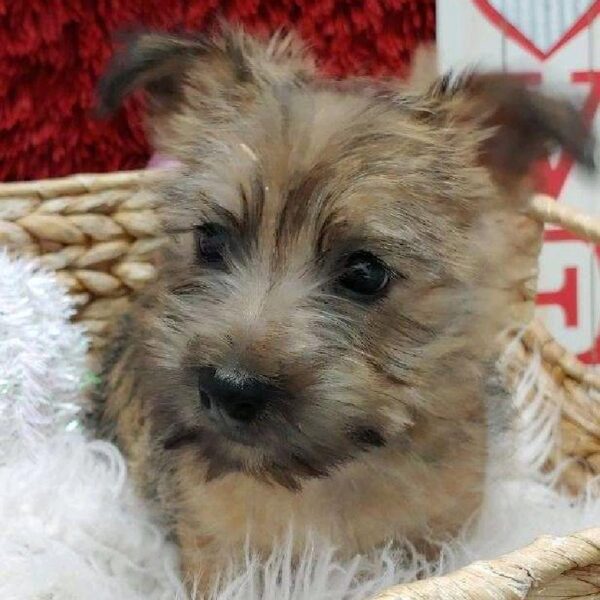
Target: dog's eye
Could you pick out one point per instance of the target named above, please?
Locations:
(211, 243)
(364, 274)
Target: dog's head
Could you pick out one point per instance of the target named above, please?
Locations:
(339, 256)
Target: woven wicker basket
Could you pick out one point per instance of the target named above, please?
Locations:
(100, 234)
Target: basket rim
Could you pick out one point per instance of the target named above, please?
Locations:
(512, 575)
(78, 183)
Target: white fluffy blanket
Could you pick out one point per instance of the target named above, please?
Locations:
(71, 527)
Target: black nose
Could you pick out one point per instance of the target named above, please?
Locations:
(241, 397)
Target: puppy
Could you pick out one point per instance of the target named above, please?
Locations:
(318, 350)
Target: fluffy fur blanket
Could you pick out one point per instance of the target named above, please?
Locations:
(72, 528)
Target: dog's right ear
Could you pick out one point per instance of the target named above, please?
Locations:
(156, 63)
(197, 81)
(231, 64)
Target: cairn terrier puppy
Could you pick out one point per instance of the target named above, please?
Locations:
(318, 350)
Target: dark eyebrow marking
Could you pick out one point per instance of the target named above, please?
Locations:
(252, 202)
(175, 230)
(328, 225)
(221, 214)
(253, 206)
(299, 199)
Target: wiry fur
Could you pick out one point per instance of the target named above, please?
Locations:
(379, 429)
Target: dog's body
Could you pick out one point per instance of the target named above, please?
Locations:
(317, 353)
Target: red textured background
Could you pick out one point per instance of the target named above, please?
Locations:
(53, 51)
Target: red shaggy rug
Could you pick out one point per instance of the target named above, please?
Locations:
(53, 51)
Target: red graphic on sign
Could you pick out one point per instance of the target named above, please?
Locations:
(551, 180)
(592, 356)
(565, 297)
(541, 29)
(512, 31)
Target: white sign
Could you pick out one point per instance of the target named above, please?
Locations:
(553, 42)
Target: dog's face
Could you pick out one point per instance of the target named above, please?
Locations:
(332, 284)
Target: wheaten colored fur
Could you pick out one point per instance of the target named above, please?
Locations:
(381, 429)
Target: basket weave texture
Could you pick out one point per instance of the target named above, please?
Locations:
(100, 233)
(551, 568)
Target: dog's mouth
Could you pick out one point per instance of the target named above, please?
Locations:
(228, 448)
(238, 451)
(275, 445)
(204, 438)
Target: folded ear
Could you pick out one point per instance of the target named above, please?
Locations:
(516, 125)
(154, 62)
(200, 74)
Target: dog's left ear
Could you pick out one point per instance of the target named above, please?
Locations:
(515, 125)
